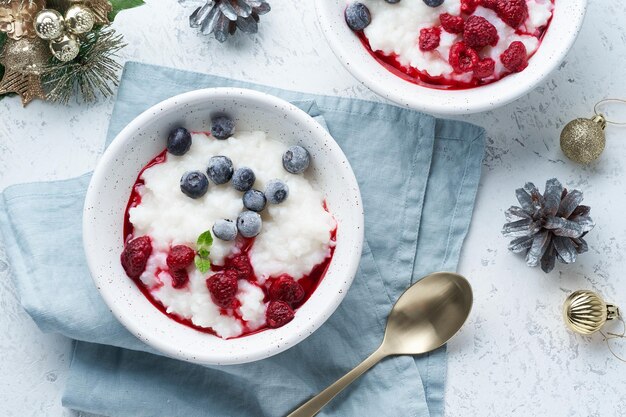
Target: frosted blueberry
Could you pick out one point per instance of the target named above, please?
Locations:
(243, 179)
(249, 223)
(220, 169)
(222, 127)
(194, 184)
(276, 191)
(225, 229)
(433, 3)
(254, 200)
(296, 159)
(358, 16)
(179, 141)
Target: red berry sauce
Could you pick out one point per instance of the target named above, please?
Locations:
(237, 262)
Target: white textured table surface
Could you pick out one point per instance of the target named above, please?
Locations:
(514, 356)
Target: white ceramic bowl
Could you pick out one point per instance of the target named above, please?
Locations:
(144, 138)
(561, 34)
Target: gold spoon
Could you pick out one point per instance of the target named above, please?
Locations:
(424, 318)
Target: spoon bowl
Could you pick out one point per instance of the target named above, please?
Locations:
(428, 314)
(424, 318)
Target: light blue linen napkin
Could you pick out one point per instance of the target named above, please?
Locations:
(418, 177)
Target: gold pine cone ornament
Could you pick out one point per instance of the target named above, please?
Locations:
(585, 312)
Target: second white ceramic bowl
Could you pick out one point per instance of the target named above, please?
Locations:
(144, 138)
(560, 36)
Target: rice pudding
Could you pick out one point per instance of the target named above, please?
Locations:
(224, 232)
(451, 44)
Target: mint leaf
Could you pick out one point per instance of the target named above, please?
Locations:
(119, 5)
(202, 261)
(202, 264)
(205, 240)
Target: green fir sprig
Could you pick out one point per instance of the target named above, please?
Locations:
(93, 72)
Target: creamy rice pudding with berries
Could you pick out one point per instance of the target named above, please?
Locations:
(225, 233)
(451, 44)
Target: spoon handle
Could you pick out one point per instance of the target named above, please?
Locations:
(315, 404)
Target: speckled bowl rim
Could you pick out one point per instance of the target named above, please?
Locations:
(323, 302)
(564, 28)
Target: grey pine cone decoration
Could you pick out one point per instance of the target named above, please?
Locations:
(223, 17)
(549, 226)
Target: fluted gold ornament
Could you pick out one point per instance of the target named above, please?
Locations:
(79, 19)
(65, 48)
(49, 24)
(16, 17)
(583, 140)
(585, 312)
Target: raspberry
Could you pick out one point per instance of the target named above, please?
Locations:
(285, 288)
(180, 257)
(452, 24)
(462, 58)
(241, 265)
(278, 314)
(479, 32)
(429, 38)
(179, 278)
(135, 256)
(484, 68)
(469, 6)
(489, 4)
(512, 12)
(515, 58)
(223, 288)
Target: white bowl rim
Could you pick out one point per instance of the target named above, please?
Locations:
(287, 340)
(450, 102)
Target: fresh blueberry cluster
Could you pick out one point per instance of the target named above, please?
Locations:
(221, 170)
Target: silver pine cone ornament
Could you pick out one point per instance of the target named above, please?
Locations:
(223, 17)
(549, 226)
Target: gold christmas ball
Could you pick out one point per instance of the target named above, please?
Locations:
(79, 19)
(28, 56)
(49, 24)
(66, 48)
(585, 312)
(582, 140)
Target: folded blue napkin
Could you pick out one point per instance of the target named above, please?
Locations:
(418, 177)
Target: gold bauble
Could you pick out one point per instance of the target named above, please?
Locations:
(582, 140)
(79, 19)
(65, 48)
(585, 312)
(49, 24)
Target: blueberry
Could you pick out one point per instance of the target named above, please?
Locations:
(254, 200)
(393, 1)
(433, 3)
(225, 229)
(358, 16)
(243, 179)
(276, 191)
(179, 141)
(222, 127)
(194, 184)
(220, 169)
(249, 223)
(296, 159)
